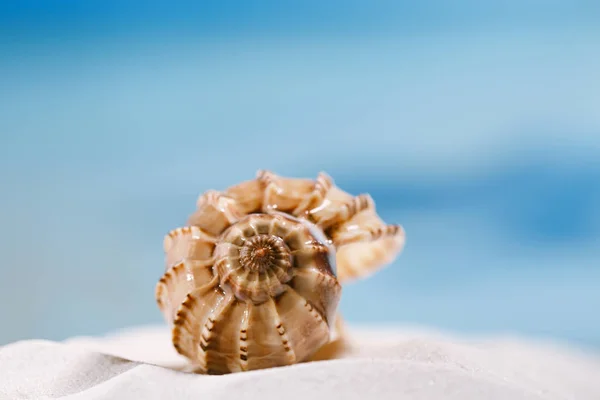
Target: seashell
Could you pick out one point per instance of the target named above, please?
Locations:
(254, 279)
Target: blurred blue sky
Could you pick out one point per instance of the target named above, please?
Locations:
(474, 124)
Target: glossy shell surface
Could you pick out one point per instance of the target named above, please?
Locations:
(253, 280)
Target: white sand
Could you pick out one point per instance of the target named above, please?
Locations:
(135, 364)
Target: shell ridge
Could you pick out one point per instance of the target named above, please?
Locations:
(181, 261)
(310, 331)
(165, 281)
(214, 212)
(194, 231)
(281, 330)
(322, 185)
(316, 255)
(346, 212)
(183, 337)
(210, 330)
(356, 263)
(314, 311)
(166, 284)
(185, 316)
(369, 235)
(243, 339)
(267, 181)
(188, 243)
(323, 279)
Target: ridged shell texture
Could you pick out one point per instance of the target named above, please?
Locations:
(253, 279)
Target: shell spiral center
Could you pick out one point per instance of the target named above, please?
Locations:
(263, 252)
(255, 257)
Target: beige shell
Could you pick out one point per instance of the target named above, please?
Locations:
(253, 280)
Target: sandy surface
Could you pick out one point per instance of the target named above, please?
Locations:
(384, 364)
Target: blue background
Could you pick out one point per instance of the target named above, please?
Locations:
(476, 125)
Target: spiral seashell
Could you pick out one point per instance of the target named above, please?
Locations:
(253, 279)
